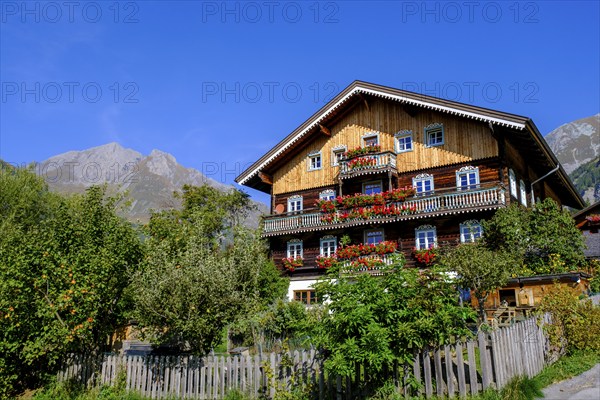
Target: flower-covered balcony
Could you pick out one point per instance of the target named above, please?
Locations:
(367, 160)
(356, 258)
(391, 206)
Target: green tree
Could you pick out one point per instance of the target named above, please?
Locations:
(202, 270)
(479, 269)
(544, 239)
(64, 265)
(377, 321)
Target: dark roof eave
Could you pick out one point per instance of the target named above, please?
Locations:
(551, 277)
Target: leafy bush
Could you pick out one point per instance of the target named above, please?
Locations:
(575, 323)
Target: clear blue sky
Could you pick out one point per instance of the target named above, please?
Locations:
(217, 84)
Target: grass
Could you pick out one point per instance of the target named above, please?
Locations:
(567, 367)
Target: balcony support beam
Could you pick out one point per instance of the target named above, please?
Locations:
(265, 178)
(324, 130)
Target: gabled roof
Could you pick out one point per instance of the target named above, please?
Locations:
(358, 90)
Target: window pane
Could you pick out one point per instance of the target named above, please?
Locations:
(374, 237)
(371, 141)
(372, 188)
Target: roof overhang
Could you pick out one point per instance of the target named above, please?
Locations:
(358, 90)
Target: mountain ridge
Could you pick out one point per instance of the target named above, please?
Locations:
(148, 180)
(576, 144)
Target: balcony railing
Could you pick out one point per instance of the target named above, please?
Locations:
(439, 202)
(348, 267)
(368, 163)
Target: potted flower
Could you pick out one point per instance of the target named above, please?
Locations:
(593, 219)
(291, 263)
(325, 262)
(426, 257)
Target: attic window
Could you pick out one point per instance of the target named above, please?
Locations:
(434, 135)
(337, 154)
(370, 139)
(314, 161)
(404, 141)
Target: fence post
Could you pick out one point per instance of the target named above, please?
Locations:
(484, 360)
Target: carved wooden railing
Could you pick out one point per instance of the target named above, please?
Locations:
(378, 161)
(434, 203)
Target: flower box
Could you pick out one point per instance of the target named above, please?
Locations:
(291, 263)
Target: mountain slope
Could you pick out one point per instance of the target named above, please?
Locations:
(577, 145)
(149, 180)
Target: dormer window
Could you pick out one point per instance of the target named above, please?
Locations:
(314, 161)
(434, 135)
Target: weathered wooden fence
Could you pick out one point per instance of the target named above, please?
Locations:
(466, 367)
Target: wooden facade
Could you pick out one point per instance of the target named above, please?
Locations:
(505, 151)
(465, 140)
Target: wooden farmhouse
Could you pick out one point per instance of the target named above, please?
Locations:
(396, 171)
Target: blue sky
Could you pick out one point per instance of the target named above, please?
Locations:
(217, 84)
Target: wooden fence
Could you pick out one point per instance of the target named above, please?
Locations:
(468, 367)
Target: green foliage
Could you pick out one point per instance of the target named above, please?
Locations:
(575, 323)
(587, 175)
(202, 271)
(290, 387)
(64, 265)
(544, 238)
(479, 269)
(567, 367)
(376, 321)
(71, 391)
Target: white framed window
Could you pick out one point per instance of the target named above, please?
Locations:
(423, 184)
(434, 135)
(295, 248)
(523, 190)
(370, 139)
(512, 180)
(374, 236)
(337, 155)
(294, 203)
(403, 141)
(467, 177)
(328, 246)
(372, 187)
(314, 161)
(470, 231)
(328, 194)
(425, 237)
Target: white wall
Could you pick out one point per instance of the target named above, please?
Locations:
(300, 284)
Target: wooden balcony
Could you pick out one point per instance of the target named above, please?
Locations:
(441, 202)
(377, 162)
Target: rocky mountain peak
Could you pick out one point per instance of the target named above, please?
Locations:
(149, 180)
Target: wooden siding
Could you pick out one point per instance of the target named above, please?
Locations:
(464, 140)
(447, 229)
(444, 177)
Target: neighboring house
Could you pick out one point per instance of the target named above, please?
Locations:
(464, 162)
(588, 221)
